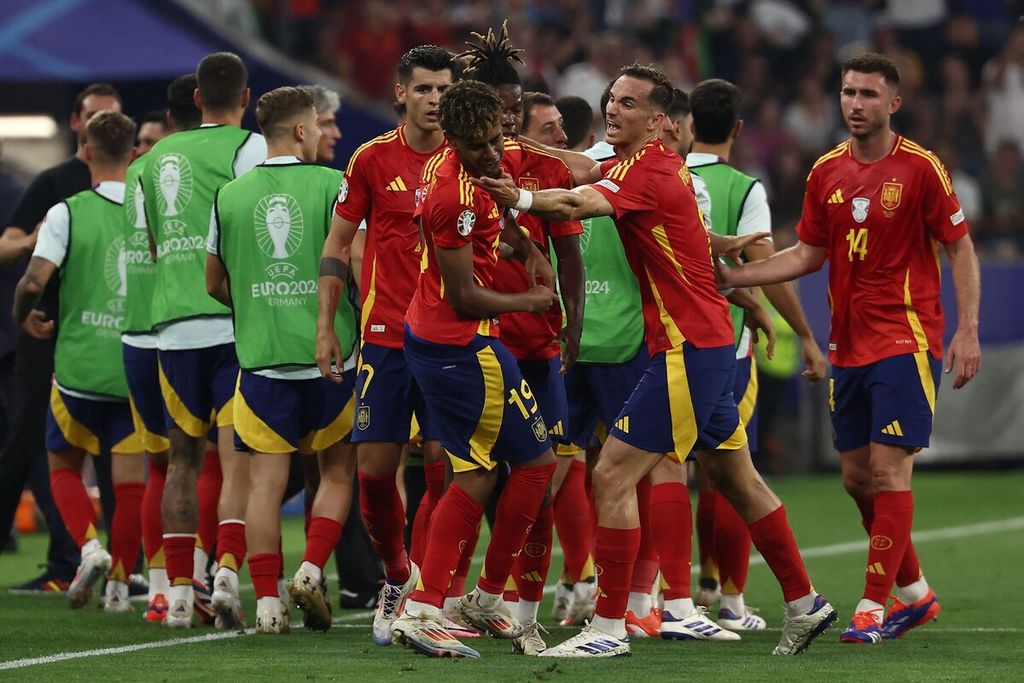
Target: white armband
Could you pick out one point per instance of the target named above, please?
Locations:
(525, 200)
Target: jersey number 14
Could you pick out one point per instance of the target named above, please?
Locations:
(858, 239)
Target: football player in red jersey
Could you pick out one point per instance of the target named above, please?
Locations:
(685, 395)
(485, 410)
(875, 207)
(379, 186)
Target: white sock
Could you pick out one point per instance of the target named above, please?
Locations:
(312, 569)
(866, 605)
(801, 606)
(487, 600)
(912, 592)
(199, 560)
(116, 589)
(612, 627)
(271, 603)
(90, 546)
(528, 611)
(639, 604)
(183, 592)
(231, 575)
(449, 605)
(421, 609)
(158, 583)
(680, 607)
(733, 603)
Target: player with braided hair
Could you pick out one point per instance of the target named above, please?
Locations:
(485, 411)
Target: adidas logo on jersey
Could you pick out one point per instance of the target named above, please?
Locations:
(836, 197)
(893, 429)
(397, 185)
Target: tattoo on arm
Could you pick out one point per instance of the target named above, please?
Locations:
(30, 287)
(333, 267)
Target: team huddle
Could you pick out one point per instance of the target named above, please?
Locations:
(224, 335)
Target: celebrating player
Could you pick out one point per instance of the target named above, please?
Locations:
(486, 412)
(874, 208)
(685, 395)
(83, 238)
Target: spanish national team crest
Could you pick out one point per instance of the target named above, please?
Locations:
(540, 430)
(465, 223)
(529, 184)
(892, 192)
(363, 417)
(859, 206)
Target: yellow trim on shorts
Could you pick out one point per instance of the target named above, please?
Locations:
(414, 431)
(924, 369)
(74, 432)
(749, 401)
(338, 429)
(183, 418)
(680, 403)
(567, 450)
(133, 444)
(481, 443)
(675, 457)
(153, 443)
(226, 415)
(256, 433)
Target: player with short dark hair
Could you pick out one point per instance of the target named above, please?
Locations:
(152, 129)
(89, 410)
(685, 395)
(542, 121)
(486, 413)
(577, 122)
(379, 186)
(182, 112)
(875, 207)
(195, 337)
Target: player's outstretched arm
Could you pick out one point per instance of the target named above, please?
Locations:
(786, 265)
(756, 319)
(27, 294)
(217, 280)
(472, 301)
(964, 351)
(571, 283)
(554, 204)
(16, 242)
(584, 170)
(330, 289)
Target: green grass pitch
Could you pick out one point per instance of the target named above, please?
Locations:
(970, 533)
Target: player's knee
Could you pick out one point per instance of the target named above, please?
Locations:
(858, 487)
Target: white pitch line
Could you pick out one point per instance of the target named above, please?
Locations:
(946, 533)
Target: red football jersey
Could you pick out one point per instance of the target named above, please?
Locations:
(880, 223)
(380, 186)
(668, 249)
(453, 213)
(529, 336)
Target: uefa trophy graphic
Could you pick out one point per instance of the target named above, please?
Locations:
(279, 225)
(122, 271)
(140, 207)
(170, 183)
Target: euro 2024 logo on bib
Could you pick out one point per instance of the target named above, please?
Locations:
(172, 175)
(135, 208)
(115, 273)
(278, 224)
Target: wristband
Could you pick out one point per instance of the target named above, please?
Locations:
(525, 200)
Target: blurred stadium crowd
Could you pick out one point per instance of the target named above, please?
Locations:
(962, 63)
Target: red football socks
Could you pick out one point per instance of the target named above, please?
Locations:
(152, 523)
(672, 528)
(531, 567)
(573, 520)
(384, 518)
(456, 523)
(732, 547)
(179, 551)
(126, 528)
(773, 538)
(707, 503)
(517, 510)
(645, 568)
(457, 587)
(614, 554)
(910, 567)
(208, 495)
(231, 544)
(433, 473)
(264, 569)
(74, 504)
(321, 538)
(890, 535)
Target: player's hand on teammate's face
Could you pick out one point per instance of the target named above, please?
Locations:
(964, 354)
(328, 349)
(36, 325)
(816, 367)
(539, 299)
(758, 321)
(503, 190)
